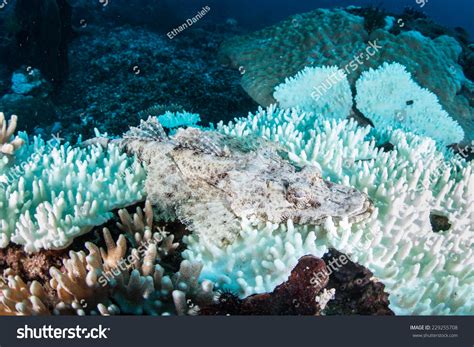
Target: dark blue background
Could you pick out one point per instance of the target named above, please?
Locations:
(255, 14)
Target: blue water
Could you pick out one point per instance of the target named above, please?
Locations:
(259, 13)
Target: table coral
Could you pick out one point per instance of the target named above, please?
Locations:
(336, 38)
(322, 90)
(389, 98)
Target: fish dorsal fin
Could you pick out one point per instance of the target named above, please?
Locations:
(149, 130)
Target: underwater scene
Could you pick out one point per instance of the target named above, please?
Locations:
(178, 157)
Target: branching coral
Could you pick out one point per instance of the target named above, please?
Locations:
(55, 193)
(19, 298)
(173, 120)
(390, 98)
(425, 272)
(115, 279)
(141, 230)
(8, 143)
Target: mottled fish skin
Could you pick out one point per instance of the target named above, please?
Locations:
(211, 182)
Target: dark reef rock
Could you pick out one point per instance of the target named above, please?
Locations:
(32, 112)
(30, 267)
(296, 296)
(439, 223)
(374, 17)
(356, 290)
(117, 72)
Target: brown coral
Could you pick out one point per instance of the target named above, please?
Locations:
(18, 298)
(8, 143)
(114, 279)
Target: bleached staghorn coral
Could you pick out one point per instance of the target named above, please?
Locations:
(8, 143)
(425, 272)
(259, 260)
(211, 182)
(390, 98)
(321, 90)
(55, 193)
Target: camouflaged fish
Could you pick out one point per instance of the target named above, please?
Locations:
(211, 182)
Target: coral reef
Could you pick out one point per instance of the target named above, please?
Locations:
(350, 289)
(52, 193)
(360, 154)
(425, 272)
(336, 38)
(8, 143)
(389, 98)
(113, 280)
(173, 120)
(322, 90)
(30, 266)
(29, 97)
(296, 296)
(116, 72)
(19, 298)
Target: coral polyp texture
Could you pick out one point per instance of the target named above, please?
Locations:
(53, 193)
(390, 98)
(337, 37)
(211, 182)
(425, 270)
(322, 90)
(116, 279)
